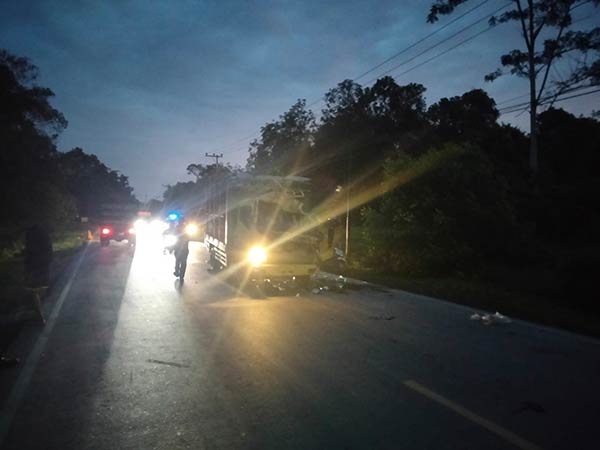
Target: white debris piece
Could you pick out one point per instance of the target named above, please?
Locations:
(490, 319)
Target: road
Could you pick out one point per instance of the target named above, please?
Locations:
(129, 360)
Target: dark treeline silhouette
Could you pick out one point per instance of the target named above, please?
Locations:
(39, 184)
(444, 189)
(192, 195)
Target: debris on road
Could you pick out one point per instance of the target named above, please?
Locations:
(168, 363)
(8, 361)
(382, 317)
(490, 319)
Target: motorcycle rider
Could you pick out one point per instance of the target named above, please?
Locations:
(181, 250)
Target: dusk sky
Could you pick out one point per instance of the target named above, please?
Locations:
(150, 86)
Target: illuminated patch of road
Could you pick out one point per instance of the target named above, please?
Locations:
(505, 434)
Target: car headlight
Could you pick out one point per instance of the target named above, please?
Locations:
(191, 229)
(257, 256)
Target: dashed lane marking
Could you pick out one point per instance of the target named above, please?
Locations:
(505, 434)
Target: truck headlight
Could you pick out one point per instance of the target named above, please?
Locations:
(191, 229)
(257, 256)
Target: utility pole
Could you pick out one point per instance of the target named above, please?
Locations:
(214, 155)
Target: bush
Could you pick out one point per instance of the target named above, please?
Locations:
(445, 212)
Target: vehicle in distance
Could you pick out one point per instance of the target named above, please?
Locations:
(117, 223)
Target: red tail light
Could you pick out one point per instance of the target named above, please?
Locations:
(106, 231)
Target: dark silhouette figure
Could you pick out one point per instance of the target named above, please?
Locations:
(38, 256)
(181, 251)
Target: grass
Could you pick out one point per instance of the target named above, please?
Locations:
(12, 294)
(514, 300)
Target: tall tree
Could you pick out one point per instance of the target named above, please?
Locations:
(552, 21)
(284, 144)
(28, 156)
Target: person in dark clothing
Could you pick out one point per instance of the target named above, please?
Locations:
(181, 251)
(38, 256)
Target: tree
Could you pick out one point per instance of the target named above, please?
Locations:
(465, 118)
(552, 21)
(22, 103)
(91, 182)
(197, 170)
(398, 116)
(191, 195)
(284, 144)
(31, 186)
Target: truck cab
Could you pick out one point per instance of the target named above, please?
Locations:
(257, 228)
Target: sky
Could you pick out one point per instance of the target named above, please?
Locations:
(151, 86)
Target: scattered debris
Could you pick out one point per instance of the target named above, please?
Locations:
(528, 406)
(490, 319)
(167, 363)
(8, 361)
(382, 317)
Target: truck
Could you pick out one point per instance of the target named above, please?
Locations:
(256, 228)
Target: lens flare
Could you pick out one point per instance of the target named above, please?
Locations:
(191, 229)
(257, 256)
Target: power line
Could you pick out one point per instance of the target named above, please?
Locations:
(546, 99)
(464, 41)
(518, 108)
(413, 45)
(512, 98)
(462, 30)
(404, 50)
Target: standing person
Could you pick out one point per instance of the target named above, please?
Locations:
(38, 256)
(181, 251)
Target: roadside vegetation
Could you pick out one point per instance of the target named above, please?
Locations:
(442, 199)
(38, 183)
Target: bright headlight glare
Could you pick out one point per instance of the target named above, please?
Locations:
(158, 225)
(257, 256)
(191, 229)
(170, 240)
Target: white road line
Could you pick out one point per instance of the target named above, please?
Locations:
(505, 434)
(20, 387)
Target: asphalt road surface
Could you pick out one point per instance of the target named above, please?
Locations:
(129, 360)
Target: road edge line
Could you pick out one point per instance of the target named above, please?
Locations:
(13, 401)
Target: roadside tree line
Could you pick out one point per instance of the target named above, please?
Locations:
(38, 183)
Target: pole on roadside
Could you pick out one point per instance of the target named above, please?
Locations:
(347, 217)
(214, 155)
